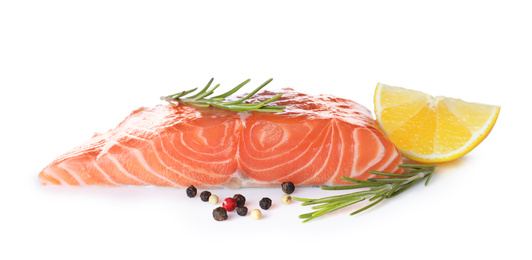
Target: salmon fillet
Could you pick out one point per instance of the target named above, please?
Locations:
(314, 141)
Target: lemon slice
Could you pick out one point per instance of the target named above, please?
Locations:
(432, 129)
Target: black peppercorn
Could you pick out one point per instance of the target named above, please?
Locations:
(242, 211)
(288, 187)
(240, 200)
(219, 214)
(204, 196)
(192, 191)
(265, 203)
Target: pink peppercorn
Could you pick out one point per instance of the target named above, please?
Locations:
(229, 204)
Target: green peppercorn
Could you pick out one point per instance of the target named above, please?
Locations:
(219, 214)
(192, 191)
(242, 211)
(204, 196)
(288, 187)
(265, 203)
(240, 200)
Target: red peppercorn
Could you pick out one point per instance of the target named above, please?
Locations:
(229, 204)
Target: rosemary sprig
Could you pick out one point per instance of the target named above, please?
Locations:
(379, 189)
(201, 99)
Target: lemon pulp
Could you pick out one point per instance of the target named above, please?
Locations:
(431, 129)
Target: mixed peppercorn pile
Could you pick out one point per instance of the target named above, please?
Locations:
(238, 202)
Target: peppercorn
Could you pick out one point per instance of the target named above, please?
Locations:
(229, 204)
(241, 211)
(240, 200)
(192, 191)
(213, 199)
(204, 196)
(288, 187)
(219, 214)
(286, 199)
(256, 214)
(265, 203)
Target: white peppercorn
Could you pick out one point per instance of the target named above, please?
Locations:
(213, 199)
(286, 199)
(256, 214)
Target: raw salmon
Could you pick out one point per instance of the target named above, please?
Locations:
(314, 141)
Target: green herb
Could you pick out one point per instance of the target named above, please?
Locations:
(202, 99)
(379, 189)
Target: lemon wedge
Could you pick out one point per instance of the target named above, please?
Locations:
(432, 129)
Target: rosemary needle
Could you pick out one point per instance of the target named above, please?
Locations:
(379, 189)
(201, 99)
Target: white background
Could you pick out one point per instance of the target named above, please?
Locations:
(72, 68)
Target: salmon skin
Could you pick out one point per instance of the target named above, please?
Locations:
(314, 141)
